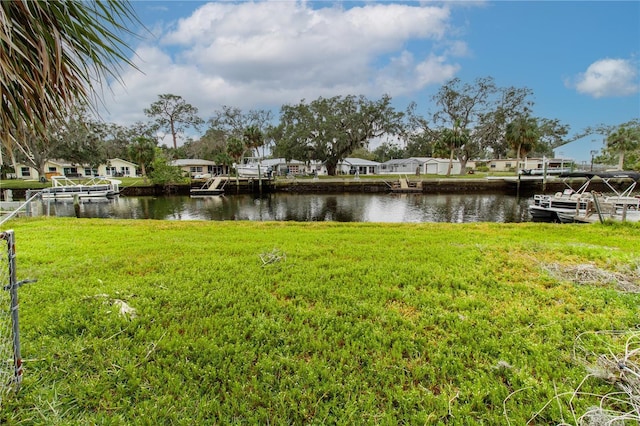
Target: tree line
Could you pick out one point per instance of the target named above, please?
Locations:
(46, 90)
(472, 121)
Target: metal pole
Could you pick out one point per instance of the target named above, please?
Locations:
(27, 208)
(76, 204)
(596, 203)
(13, 290)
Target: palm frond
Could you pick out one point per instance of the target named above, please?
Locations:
(54, 54)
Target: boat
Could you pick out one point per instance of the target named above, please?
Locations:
(562, 205)
(545, 207)
(213, 186)
(622, 207)
(97, 187)
(252, 168)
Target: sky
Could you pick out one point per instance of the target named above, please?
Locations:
(580, 58)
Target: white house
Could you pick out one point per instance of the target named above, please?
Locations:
(282, 167)
(195, 166)
(118, 167)
(536, 166)
(401, 166)
(113, 167)
(502, 164)
(440, 166)
(421, 165)
(360, 165)
(316, 167)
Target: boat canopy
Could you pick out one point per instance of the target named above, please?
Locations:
(604, 175)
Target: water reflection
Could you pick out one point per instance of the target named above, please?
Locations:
(454, 208)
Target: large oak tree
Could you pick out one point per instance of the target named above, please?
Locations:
(330, 129)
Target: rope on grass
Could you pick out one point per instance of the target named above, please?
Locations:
(626, 279)
(610, 356)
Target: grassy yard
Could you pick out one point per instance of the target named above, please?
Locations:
(158, 322)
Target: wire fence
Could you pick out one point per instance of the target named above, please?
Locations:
(10, 359)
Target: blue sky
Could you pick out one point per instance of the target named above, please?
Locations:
(580, 58)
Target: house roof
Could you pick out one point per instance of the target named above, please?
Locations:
(121, 160)
(359, 162)
(276, 161)
(187, 162)
(64, 163)
(399, 161)
(442, 160)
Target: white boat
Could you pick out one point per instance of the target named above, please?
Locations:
(619, 208)
(251, 168)
(97, 187)
(546, 207)
(561, 206)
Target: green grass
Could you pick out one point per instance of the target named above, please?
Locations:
(354, 324)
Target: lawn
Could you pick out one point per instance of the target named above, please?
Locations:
(168, 322)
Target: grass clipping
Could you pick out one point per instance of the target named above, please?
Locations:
(626, 279)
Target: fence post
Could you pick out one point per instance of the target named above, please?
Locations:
(13, 290)
(27, 208)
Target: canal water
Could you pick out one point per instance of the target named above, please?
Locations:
(454, 208)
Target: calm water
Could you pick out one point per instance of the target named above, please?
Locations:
(305, 207)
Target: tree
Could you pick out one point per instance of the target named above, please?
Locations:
(76, 137)
(454, 138)
(209, 145)
(253, 128)
(387, 151)
(329, 129)
(80, 139)
(116, 140)
(363, 153)
(235, 148)
(522, 135)
(53, 55)
(421, 138)
(253, 138)
(552, 134)
(624, 140)
(461, 106)
(163, 173)
(36, 150)
(490, 129)
(142, 151)
(174, 115)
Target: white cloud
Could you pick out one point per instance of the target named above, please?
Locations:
(404, 75)
(265, 54)
(609, 78)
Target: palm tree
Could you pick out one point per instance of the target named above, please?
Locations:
(253, 138)
(522, 135)
(236, 149)
(53, 54)
(454, 139)
(142, 150)
(623, 140)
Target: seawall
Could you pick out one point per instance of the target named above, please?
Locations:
(526, 187)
